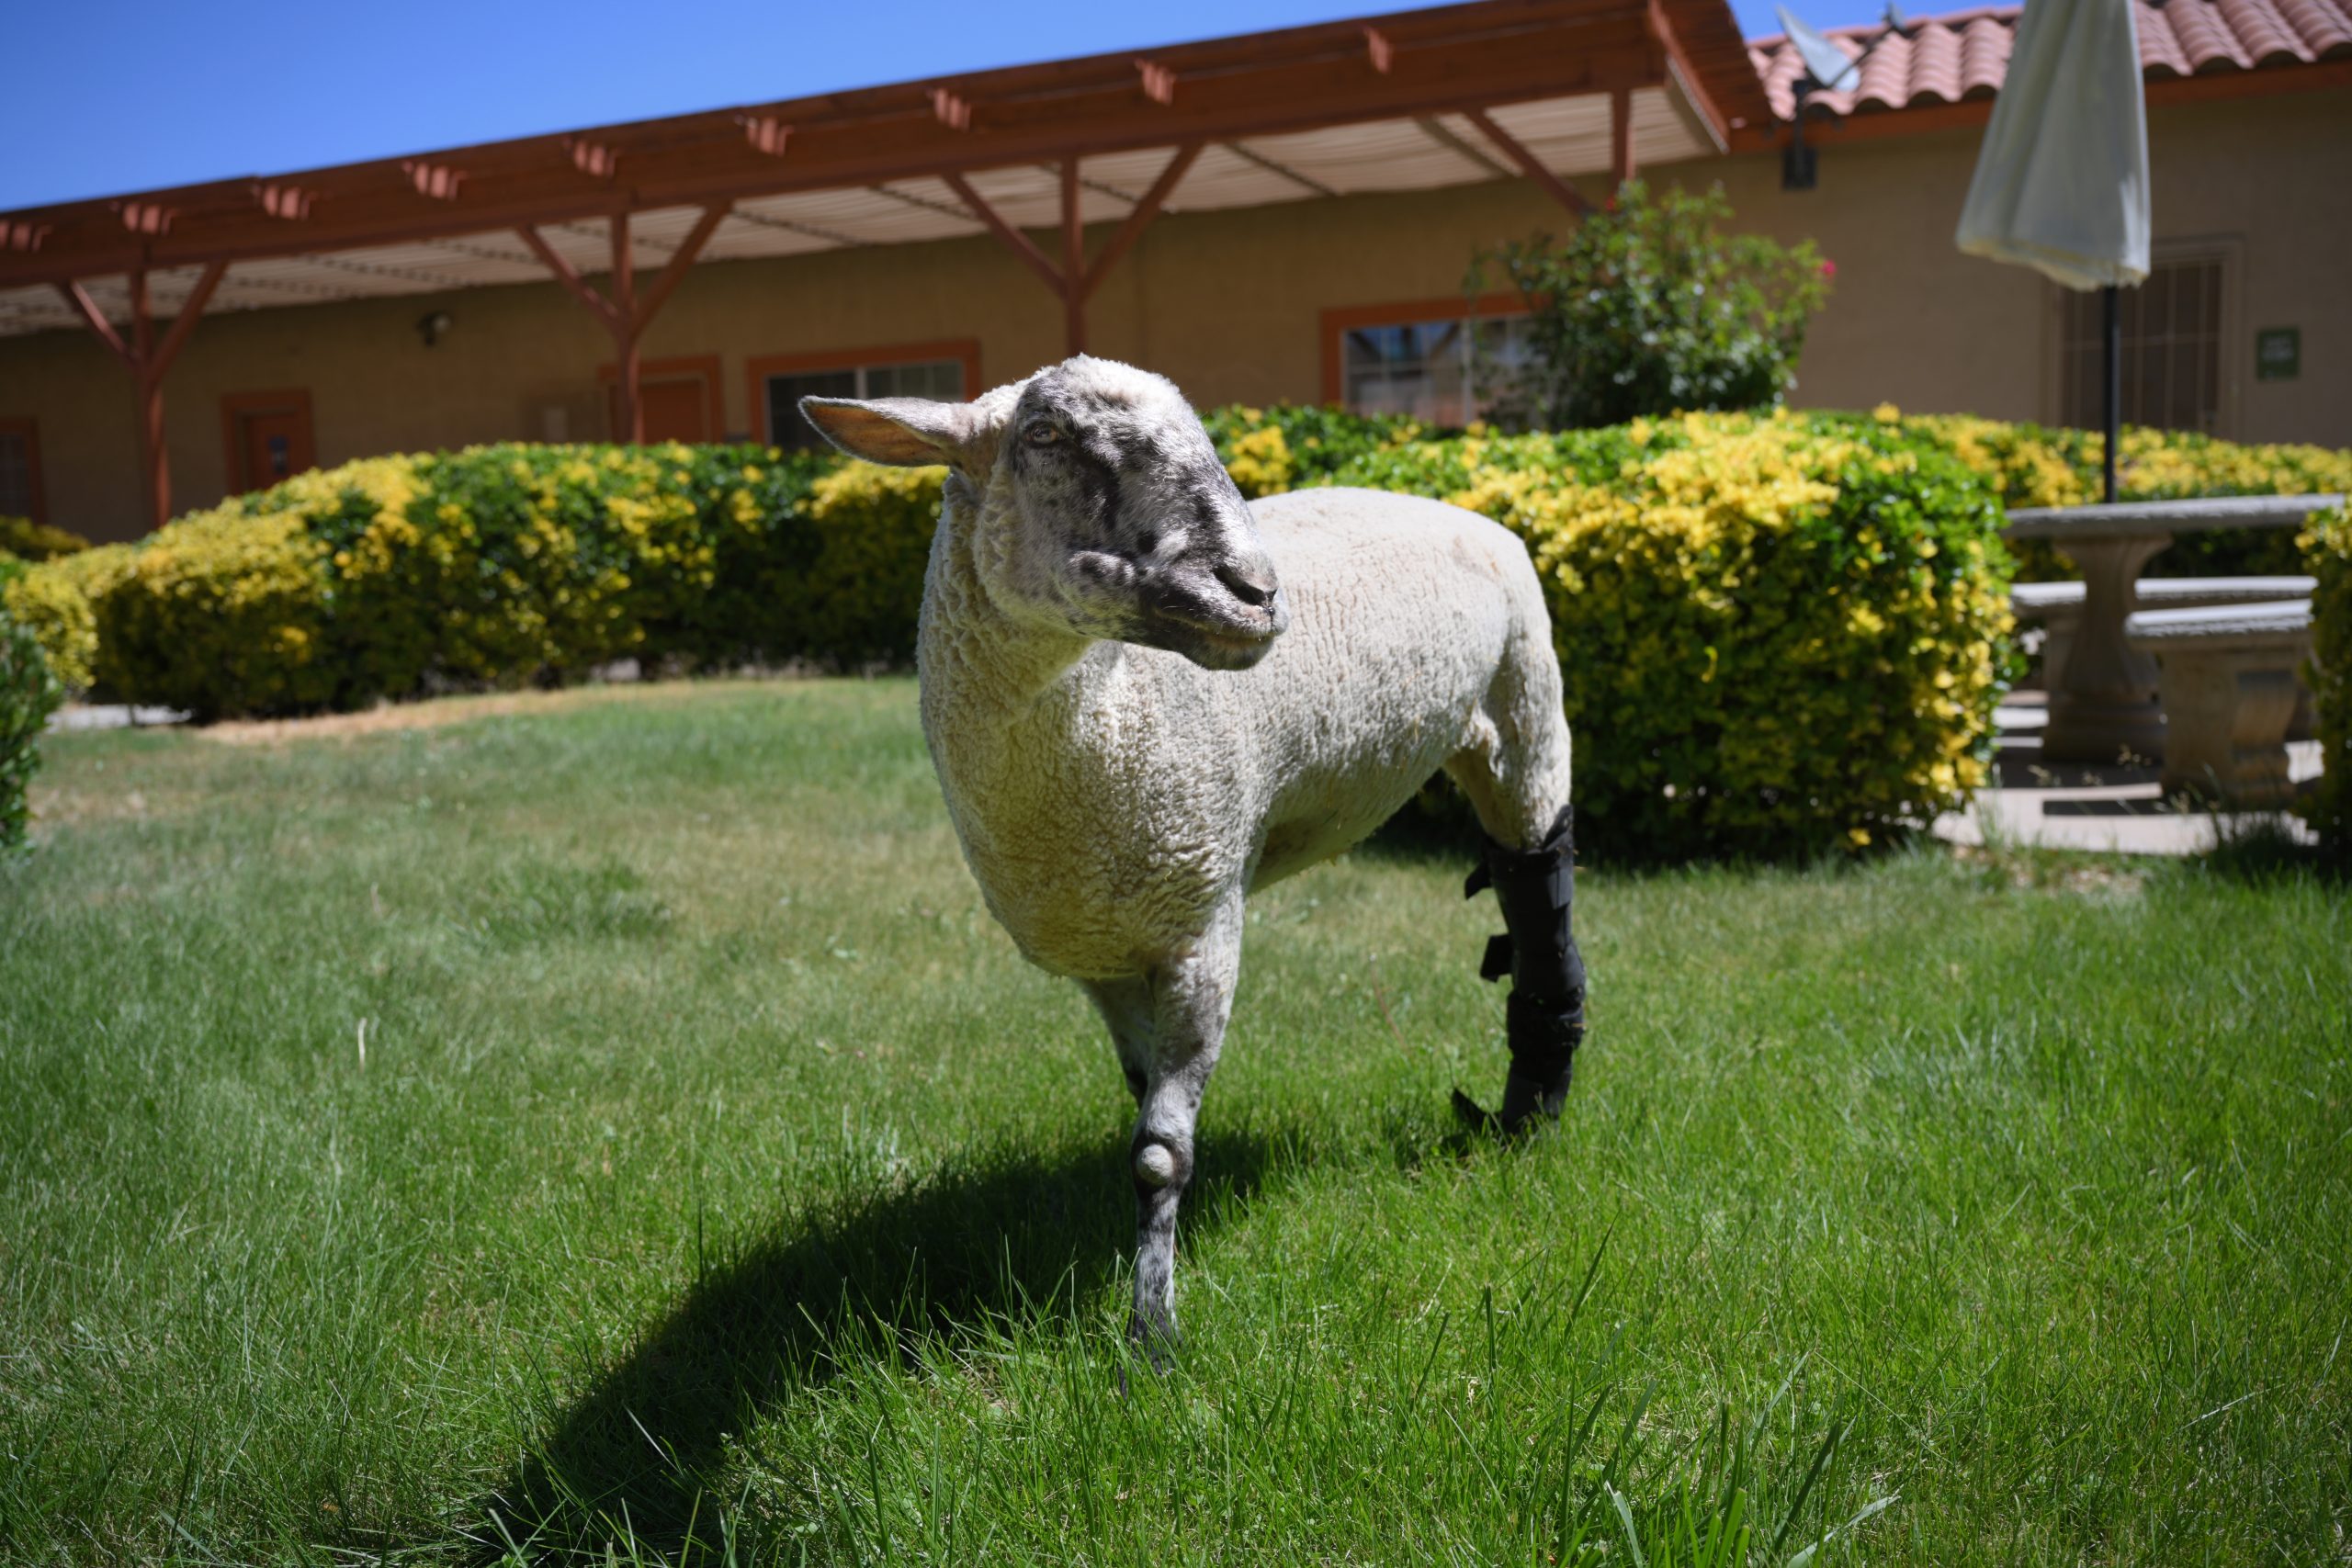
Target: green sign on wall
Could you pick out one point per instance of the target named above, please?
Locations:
(2277, 354)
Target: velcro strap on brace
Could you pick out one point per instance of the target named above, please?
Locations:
(1544, 1036)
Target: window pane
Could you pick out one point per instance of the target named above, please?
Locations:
(785, 427)
(1437, 372)
(940, 379)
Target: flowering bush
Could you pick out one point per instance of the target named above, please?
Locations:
(1649, 307)
(2328, 548)
(29, 695)
(1775, 633)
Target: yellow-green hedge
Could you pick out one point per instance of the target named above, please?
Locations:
(30, 541)
(494, 566)
(56, 601)
(2034, 466)
(2328, 548)
(1775, 633)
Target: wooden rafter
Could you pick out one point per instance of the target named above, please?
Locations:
(1123, 237)
(1534, 167)
(1014, 239)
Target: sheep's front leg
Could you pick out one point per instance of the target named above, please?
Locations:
(1191, 997)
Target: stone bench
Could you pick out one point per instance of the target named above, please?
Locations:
(2102, 706)
(2228, 676)
(2057, 609)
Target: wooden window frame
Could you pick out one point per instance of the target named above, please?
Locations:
(29, 428)
(1340, 320)
(757, 371)
(702, 367)
(235, 406)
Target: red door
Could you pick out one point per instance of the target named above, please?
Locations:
(676, 409)
(269, 439)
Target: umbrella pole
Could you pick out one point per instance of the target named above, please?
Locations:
(2114, 347)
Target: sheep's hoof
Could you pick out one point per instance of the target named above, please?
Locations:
(1156, 1343)
(1524, 1113)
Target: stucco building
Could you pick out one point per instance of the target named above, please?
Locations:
(1322, 258)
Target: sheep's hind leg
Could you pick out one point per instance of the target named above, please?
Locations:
(1544, 1013)
(1126, 1007)
(1516, 774)
(1192, 997)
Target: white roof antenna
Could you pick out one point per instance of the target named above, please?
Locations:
(1824, 60)
(1826, 69)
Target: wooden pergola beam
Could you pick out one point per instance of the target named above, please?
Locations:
(1460, 57)
(1534, 168)
(624, 313)
(148, 361)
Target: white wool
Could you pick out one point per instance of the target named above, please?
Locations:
(1112, 797)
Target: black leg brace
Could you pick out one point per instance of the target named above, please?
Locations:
(1545, 1010)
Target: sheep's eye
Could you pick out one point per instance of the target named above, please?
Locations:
(1041, 434)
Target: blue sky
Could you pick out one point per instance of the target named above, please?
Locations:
(114, 96)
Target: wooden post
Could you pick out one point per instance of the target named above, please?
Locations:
(154, 460)
(1073, 261)
(1620, 136)
(632, 421)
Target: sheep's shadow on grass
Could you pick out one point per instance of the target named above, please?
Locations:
(936, 1258)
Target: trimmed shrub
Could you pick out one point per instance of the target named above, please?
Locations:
(509, 565)
(1776, 635)
(218, 613)
(30, 541)
(56, 602)
(29, 695)
(2328, 547)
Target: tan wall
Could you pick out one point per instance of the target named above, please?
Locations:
(1228, 304)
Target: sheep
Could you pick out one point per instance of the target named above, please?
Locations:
(1145, 698)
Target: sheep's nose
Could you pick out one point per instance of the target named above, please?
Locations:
(1252, 582)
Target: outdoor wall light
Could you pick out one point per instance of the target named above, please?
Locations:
(431, 325)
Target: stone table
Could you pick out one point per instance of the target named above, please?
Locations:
(2103, 702)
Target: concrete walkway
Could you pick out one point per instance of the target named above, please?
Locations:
(2116, 809)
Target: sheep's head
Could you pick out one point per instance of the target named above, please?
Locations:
(1103, 506)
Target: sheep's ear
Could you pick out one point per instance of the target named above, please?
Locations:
(906, 432)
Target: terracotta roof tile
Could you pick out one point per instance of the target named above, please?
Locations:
(1947, 59)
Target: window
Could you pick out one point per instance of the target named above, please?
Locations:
(21, 470)
(2171, 331)
(944, 371)
(1444, 361)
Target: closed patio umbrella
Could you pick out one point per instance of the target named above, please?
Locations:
(2061, 183)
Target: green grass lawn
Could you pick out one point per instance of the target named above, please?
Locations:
(715, 1175)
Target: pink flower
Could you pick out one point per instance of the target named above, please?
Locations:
(1829, 269)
